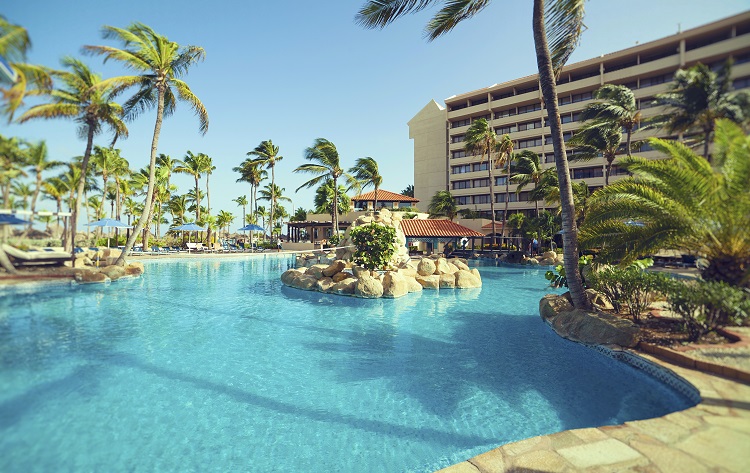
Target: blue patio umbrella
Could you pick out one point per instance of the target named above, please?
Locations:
(10, 219)
(189, 227)
(251, 227)
(109, 222)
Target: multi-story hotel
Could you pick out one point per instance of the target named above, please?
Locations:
(516, 108)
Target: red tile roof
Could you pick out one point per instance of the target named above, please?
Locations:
(436, 228)
(384, 196)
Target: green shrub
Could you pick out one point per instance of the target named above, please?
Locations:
(707, 305)
(375, 245)
(558, 278)
(334, 240)
(631, 285)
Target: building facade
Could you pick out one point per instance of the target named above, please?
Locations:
(516, 108)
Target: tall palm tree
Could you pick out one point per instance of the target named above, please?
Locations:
(224, 219)
(273, 194)
(698, 97)
(241, 202)
(261, 213)
(14, 44)
(681, 202)
(592, 141)
(85, 98)
(443, 203)
(365, 171)
(13, 158)
(481, 138)
(325, 162)
(505, 160)
(39, 163)
(24, 191)
(266, 154)
(528, 170)
(195, 165)
(557, 29)
(616, 108)
(55, 189)
(251, 173)
(159, 63)
(178, 205)
(103, 161)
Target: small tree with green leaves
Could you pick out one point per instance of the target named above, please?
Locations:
(375, 245)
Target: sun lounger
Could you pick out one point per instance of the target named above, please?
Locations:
(35, 257)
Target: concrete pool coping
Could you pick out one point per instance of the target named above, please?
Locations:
(714, 435)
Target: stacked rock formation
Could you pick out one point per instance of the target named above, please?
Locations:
(343, 278)
(548, 258)
(383, 217)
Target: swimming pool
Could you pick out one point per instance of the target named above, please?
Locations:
(209, 365)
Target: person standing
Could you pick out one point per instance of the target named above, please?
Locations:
(278, 244)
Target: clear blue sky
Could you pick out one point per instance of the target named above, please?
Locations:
(296, 70)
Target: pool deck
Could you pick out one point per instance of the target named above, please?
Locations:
(711, 436)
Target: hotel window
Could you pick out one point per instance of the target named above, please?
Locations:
(501, 180)
(501, 96)
(499, 198)
(486, 117)
(741, 83)
(523, 197)
(463, 200)
(478, 101)
(566, 136)
(529, 125)
(458, 154)
(458, 138)
(588, 173)
(582, 97)
(506, 129)
(741, 59)
(631, 85)
(617, 67)
(481, 182)
(482, 199)
(479, 166)
(461, 169)
(459, 123)
(529, 143)
(564, 100)
(529, 108)
(659, 55)
(526, 90)
(461, 184)
(585, 75)
(549, 158)
(656, 80)
(505, 113)
(618, 171)
(457, 107)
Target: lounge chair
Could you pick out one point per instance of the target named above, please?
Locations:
(35, 257)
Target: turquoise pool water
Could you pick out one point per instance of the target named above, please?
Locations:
(209, 365)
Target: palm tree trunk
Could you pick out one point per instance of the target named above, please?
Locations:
(335, 219)
(507, 196)
(549, 92)
(197, 201)
(79, 194)
(273, 198)
(151, 178)
(375, 204)
(35, 196)
(608, 170)
(490, 166)
(208, 195)
(628, 134)
(706, 138)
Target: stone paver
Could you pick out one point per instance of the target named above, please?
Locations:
(713, 436)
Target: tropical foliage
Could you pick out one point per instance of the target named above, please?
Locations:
(365, 171)
(616, 108)
(375, 245)
(681, 202)
(443, 204)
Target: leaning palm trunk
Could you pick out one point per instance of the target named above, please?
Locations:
(507, 195)
(549, 92)
(490, 165)
(151, 179)
(335, 219)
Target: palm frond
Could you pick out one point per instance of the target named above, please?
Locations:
(563, 23)
(453, 13)
(380, 13)
(184, 92)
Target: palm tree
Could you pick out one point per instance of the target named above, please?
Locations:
(178, 205)
(408, 191)
(251, 173)
(14, 44)
(528, 171)
(13, 158)
(505, 160)
(557, 29)
(273, 194)
(365, 171)
(266, 154)
(86, 99)
(261, 213)
(481, 138)
(160, 63)
(224, 219)
(592, 141)
(23, 191)
(55, 189)
(38, 162)
(617, 109)
(443, 203)
(327, 165)
(698, 97)
(195, 165)
(241, 202)
(208, 170)
(325, 199)
(683, 203)
(103, 161)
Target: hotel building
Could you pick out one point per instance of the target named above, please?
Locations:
(516, 108)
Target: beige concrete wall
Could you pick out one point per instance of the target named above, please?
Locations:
(427, 129)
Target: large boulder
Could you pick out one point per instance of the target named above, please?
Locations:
(335, 267)
(394, 285)
(598, 300)
(338, 277)
(447, 281)
(324, 284)
(429, 282)
(465, 279)
(134, 268)
(408, 272)
(476, 274)
(316, 270)
(441, 266)
(113, 272)
(514, 257)
(345, 287)
(368, 287)
(89, 276)
(426, 267)
(457, 262)
(290, 275)
(305, 282)
(590, 327)
(412, 285)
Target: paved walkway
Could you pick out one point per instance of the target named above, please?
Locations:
(712, 436)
